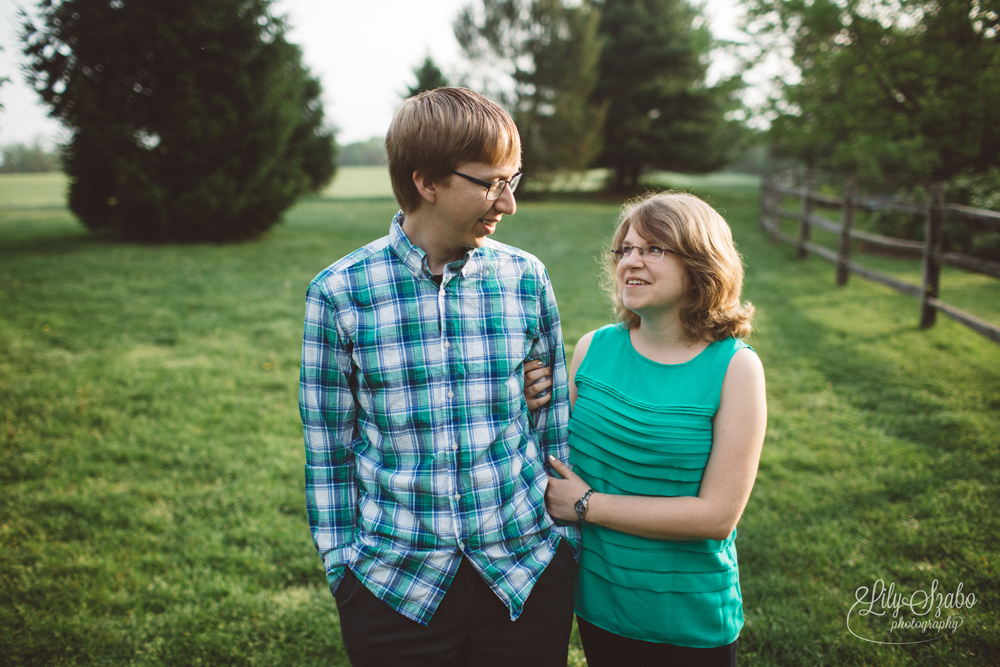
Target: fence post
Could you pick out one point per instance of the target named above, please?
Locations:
(846, 226)
(804, 212)
(932, 245)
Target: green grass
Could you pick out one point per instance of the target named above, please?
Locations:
(151, 487)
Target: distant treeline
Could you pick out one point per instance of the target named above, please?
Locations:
(362, 153)
(24, 159)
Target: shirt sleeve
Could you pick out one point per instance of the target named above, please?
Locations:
(328, 410)
(552, 420)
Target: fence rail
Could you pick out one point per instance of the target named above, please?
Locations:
(776, 188)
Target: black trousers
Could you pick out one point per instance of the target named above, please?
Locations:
(470, 627)
(606, 649)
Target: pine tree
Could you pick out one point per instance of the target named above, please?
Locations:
(550, 49)
(190, 120)
(429, 76)
(661, 113)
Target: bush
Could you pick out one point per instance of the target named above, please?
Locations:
(978, 190)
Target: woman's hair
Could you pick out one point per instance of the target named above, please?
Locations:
(693, 231)
(437, 130)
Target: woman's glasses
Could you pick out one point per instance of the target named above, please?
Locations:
(653, 253)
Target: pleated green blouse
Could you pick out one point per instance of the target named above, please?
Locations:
(644, 428)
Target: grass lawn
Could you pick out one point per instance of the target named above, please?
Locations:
(151, 487)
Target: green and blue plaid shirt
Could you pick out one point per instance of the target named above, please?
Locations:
(419, 446)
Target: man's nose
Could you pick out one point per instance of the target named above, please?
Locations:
(506, 203)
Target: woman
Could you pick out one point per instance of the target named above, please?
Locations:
(666, 433)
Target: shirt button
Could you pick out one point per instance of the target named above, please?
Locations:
(454, 448)
(458, 496)
(447, 344)
(451, 394)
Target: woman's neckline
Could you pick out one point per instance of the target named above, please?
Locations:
(704, 346)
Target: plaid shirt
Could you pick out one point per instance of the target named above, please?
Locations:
(419, 446)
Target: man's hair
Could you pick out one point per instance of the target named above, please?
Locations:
(437, 130)
(692, 230)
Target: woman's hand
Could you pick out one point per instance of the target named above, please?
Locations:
(561, 494)
(537, 384)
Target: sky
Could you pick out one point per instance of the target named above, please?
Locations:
(364, 53)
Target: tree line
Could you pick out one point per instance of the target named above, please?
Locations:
(21, 158)
(199, 121)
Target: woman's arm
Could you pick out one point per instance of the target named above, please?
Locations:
(538, 378)
(579, 352)
(737, 438)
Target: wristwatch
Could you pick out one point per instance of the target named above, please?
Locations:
(581, 506)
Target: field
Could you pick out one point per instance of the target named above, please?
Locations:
(151, 487)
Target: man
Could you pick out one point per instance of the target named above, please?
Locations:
(425, 472)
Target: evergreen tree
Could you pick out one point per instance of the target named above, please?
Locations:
(559, 123)
(190, 120)
(661, 112)
(3, 80)
(429, 76)
(550, 49)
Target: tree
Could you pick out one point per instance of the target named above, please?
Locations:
(429, 77)
(560, 124)
(3, 80)
(662, 114)
(190, 120)
(894, 92)
(550, 50)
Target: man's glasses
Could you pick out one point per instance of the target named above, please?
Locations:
(653, 253)
(494, 189)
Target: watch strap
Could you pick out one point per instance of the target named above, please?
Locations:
(581, 506)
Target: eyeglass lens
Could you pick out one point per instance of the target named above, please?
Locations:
(496, 189)
(650, 254)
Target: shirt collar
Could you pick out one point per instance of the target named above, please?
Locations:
(413, 257)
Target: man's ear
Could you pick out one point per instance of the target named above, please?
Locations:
(425, 186)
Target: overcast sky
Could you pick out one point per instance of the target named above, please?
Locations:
(364, 53)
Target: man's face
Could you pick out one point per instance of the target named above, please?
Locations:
(466, 217)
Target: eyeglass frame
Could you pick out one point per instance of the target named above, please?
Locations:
(511, 182)
(621, 253)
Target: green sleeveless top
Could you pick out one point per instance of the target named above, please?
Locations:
(644, 428)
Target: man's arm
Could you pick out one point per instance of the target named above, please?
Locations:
(328, 411)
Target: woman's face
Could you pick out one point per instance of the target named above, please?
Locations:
(649, 287)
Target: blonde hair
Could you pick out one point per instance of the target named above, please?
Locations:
(437, 130)
(701, 239)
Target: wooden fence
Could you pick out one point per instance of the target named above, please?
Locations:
(775, 189)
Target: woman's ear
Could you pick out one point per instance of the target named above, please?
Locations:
(425, 186)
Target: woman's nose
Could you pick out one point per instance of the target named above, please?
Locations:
(634, 257)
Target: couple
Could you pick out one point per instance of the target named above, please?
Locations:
(447, 518)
